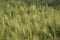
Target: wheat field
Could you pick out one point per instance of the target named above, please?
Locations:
(21, 22)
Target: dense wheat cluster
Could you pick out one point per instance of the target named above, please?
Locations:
(29, 20)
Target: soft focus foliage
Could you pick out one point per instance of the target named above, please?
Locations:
(22, 21)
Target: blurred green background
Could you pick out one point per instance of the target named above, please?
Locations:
(29, 19)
